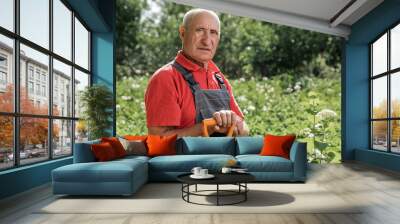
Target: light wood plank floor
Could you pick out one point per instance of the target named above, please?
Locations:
(377, 188)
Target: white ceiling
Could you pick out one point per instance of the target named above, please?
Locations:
(315, 15)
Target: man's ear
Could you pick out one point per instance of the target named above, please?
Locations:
(181, 32)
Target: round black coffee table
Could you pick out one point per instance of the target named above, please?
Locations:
(238, 179)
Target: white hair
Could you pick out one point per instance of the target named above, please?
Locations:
(187, 18)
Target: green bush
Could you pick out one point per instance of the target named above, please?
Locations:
(282, 104)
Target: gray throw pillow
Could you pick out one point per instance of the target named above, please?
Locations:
(134, 147)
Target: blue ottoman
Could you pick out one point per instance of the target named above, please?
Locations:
(118, 177)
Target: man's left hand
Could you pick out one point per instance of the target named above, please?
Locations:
(227, 118)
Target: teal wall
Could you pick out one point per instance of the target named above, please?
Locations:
(355, 84)
(99, 15)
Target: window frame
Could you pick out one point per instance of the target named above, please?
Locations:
(388, 74)
(16, 114)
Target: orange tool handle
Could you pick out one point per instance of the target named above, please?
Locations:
(212, 122)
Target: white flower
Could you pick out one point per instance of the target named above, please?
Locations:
(326, 113)
(135, 86)
(265, 78)
(245, 111)
(242, 79)
(270, 90)
(126, 97)
(251, 107)
(242, 98)
(265, 108)
(306, 131)
(311, 135)
(318, 126)
(289, 90)
(297, 87)
(319, 154)
(118, 106)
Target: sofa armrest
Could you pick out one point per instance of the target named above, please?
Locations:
(83, 152)
(298, 155)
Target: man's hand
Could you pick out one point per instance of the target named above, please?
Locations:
(227, 118)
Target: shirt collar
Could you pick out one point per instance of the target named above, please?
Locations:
(191, 66)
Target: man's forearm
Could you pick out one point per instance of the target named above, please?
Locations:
(195, 130)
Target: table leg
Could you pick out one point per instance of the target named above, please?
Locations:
(245, 193)
(217, 194)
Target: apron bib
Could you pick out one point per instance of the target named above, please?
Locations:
(207, 101)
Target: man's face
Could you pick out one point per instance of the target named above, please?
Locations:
(200, 39)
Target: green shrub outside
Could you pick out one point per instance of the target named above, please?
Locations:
(279, 105)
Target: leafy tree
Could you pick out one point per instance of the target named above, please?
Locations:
(129, 36)
(34, 130)
(248, 48)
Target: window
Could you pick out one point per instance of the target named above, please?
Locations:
(81, 45)
(62, 75)
(3, 78)
(44, 91)
(38, 75)
(3, 61)
(34, 21)
(6, 73)
(54, 125)
(385, 94)
(30, 72)
(62, 31)
(43, 77)
(3, 72)
(30, 87)
(38, 89)
(7, 14)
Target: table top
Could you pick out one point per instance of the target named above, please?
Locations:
(220, 178)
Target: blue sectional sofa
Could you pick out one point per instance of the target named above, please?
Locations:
(125, 176)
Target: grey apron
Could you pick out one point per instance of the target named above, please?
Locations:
(208, 101)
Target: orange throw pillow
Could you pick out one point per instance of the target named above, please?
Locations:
(116, 145)
(103, 151)
(277, 145)
(161, 145)
(136, 137)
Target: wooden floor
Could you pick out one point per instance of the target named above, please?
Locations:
(377, 188)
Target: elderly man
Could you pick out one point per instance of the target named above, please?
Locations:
(191, 88)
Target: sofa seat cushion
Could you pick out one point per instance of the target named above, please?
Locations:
(111, 171)
(257, 163)
(185, 163)
(133, 158)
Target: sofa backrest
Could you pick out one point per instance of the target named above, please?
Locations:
(249, 145)
(83, 153)
(206, 145)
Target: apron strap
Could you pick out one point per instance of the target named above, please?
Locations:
(220, 80)
(194, 86)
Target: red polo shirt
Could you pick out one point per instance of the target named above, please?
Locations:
(169, 100)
